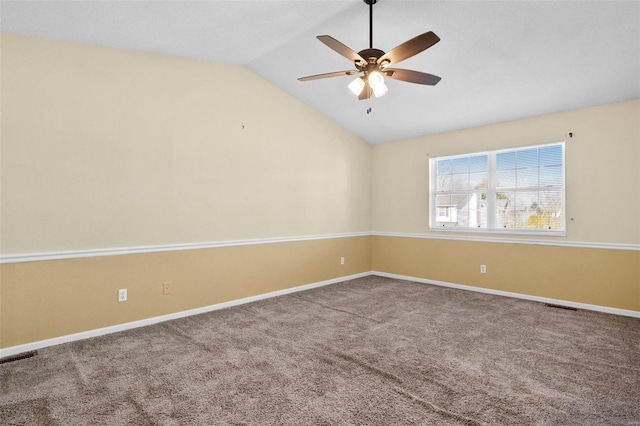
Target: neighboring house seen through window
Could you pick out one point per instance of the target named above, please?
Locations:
(515, 190)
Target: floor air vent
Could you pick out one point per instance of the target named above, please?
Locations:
(568, 308)
(18, 357)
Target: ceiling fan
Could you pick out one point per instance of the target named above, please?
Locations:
(374, 62)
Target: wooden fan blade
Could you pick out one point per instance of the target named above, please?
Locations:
(412, 76)
(366, 91)
(410, 48)
(340, 48)
(327, 75)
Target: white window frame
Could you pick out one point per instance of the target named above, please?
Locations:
(491, 195)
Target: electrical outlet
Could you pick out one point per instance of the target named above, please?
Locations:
(342, 260)
(166, 288)
(483, 269)
(122, 295)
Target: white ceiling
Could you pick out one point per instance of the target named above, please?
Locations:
(499, 60)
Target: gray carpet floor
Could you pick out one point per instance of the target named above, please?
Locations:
(372, 351)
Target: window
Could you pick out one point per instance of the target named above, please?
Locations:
(515, 190)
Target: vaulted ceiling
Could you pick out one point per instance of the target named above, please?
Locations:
(499, 60)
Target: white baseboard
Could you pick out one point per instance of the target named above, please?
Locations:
(585, 306)
(14, 350)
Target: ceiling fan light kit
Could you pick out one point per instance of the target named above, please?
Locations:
(373, 63)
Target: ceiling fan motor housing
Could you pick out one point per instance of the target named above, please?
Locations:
(371, 56)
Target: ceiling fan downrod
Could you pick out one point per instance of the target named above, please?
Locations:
(369, 55)
(370, 3)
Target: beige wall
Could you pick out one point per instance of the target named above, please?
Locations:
(107, 148)
(603, 277)
(602, 172)
(603, 199)
(47, 299)
(103, 148)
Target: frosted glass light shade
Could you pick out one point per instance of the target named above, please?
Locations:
(356, 86)
(380, 90)
(376, 81)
